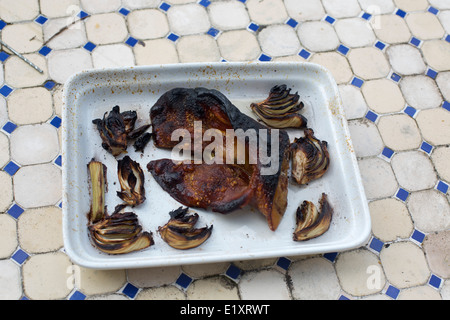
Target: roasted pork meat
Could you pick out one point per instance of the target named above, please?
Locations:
(222, 187)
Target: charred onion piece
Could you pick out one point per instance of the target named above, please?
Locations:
(142, 141)
(97, 172)
(310, 158)
(280, 109)
(131, 179)
(120, 233)
(310, 222)
(117, 129)
(179, 232)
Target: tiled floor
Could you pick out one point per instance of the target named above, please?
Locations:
(391, 60)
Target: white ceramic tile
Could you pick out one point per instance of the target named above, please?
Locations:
(113, 55)
(264, 284)
(188, 19)
(377, 7)
(74, 36)
(148, 24)
(228, 15)
(63, 64)
(314, 279)
(365, 138)
(34, 144)
(100, 6)
(406, 59)
(304, 10)
(10, 281)
(421, 92)
(355, 32)
(354, 104)
(37, 186)
(279, 40)
(342, 9)
(318, 36)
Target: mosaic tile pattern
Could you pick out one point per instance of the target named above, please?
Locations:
(391, 60)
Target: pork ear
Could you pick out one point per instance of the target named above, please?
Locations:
(179, 108)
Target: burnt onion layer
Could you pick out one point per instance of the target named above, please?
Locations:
(281, 109)
(311, 222)
(180, 232)
(310, 158)
(131, 179)
(117, 129)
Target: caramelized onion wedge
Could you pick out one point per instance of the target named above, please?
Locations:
(120, 233)
(280, 109)
(131, 179)
(179, 232)
(292, 120)
(310, 224)
(310, 158)
(97, 172)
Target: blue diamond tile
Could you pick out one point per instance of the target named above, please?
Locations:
(442, 187)
(204, 3)
(304, 54)
(2, 24)
(264, 57)
(130, 290)
(83, 14)
(283, 263)
(3, 56)
(41, 20)
(124, 11)
(395, 77)
(343, 298)
(164, 6)
(291, 22)
(433, 10)
(89, 46)
(253, 27)
(357, 82)
(49, 85)
(184, 281)
(447, 38)
(233, 272)
(435, 281)
(426, 147)
(414, 41)
(366, 16)
(431, 73)
(15, 211)
(58, 161)
(330, 19)
(330, 256)
(20, 256)
(56, 122)
(410, 111)
(418, 236)
(77, 295)
(446, 105)
(388, 153)
(213, 32)
(380, 45)
(243, 1)
(372, 116)
(376, 244)
(131, 41)
(400, 13)
(9, 127)
(392, 292)
(402, 194)
(11, 168)
(173, 37)
(343, 49)
(45, 51)
(5, 91)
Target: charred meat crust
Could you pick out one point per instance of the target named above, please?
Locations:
(180, 107)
